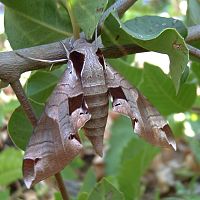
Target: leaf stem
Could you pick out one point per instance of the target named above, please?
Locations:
(75, 26)
(18, 89)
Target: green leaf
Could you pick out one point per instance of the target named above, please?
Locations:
(136, 158)
(89, 181)
(122, 133)
(19, 126)
(6, 108)
(58, 196)
(83, 196)
(194, 144)
(177, 127)
(68, 173)
(196, 69)
(11, 164)
(193, 12)
(104, 190)
(33, 22)
(150, 32)
(159, 89)
(4, 194)
(40, 85)
(132, 74)
(88, 13)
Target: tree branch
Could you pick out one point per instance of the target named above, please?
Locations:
(12, 65)
(119, 51)
(193, 33)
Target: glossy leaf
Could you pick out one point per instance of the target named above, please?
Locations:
(104, 190)
(19, 126)
(88, 13)
(11, 164)
(150, 32)
(7, 108)
(193, 12)
(132, 74)
(40, 85)
(159, 89)
(34, 22)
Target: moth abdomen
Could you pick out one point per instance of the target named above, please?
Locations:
(95, 127)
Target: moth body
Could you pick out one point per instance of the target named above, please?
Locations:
(95, 91)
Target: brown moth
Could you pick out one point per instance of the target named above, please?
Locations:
(81, 100)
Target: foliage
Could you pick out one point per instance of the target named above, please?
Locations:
(33, 22)
(10, 168)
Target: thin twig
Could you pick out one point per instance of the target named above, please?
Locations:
(194, 51)
(196, 110)
(61, 186)
(125, 5)
(121, 6)
(18, 89)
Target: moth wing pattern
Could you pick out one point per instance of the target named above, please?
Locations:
(146, 120)
(53, 143)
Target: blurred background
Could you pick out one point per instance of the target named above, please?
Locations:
(152, 173)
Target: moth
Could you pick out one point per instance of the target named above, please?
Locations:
(81, 100)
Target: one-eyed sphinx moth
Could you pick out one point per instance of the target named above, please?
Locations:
(81, 99)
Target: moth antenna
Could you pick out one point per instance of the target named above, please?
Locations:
(66, 50)
(41, 60)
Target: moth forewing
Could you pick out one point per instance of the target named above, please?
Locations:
(52, 145)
